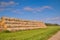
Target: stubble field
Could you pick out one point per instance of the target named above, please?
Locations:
(36, 34)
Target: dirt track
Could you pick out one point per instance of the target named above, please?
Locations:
(56, 36)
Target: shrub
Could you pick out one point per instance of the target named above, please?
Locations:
(6, 31)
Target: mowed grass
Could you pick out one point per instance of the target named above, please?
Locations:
(36, 34)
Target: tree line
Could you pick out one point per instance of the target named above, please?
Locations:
(49, 24)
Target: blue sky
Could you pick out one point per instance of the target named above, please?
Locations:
(41, 10)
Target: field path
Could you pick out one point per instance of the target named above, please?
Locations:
(56, 36)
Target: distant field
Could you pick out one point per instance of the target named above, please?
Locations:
(36, 34)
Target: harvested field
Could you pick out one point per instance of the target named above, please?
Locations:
(36, 34)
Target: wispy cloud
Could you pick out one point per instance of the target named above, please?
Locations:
(1, 9)
(4, 5)
(40, 9)
(43, 8)
(55, 18)
(16, 11)
(28, 9)
(10, 3)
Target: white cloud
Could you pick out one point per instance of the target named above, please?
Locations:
(28, 9)
(1, 9)
(37, 9)
(10, 3)
(43, 8)
(16, 11)
(6, 5)
(55, 18)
